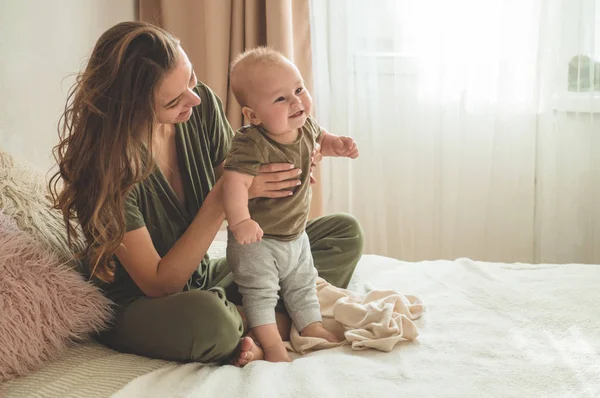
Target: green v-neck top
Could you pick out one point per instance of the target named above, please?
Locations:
(202, 144)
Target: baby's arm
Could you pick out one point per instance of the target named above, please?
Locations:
(235, 202)
(333, 145)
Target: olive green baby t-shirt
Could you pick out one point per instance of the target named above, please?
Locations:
(281, 218)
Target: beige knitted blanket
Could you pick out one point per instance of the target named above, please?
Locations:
(379, 319)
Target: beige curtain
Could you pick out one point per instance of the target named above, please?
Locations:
(214, 32)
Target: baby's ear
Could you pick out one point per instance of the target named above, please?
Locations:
(251, 115)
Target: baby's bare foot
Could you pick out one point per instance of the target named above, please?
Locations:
(316, 329)
(246, 352)
(276, 353)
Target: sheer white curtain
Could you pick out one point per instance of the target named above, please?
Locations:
(568, 143)
(462, 115)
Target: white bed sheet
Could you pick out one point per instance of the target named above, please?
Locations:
(490, 330)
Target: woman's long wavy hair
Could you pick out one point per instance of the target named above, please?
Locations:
(106, 137)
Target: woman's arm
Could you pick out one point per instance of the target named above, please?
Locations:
(157, 276)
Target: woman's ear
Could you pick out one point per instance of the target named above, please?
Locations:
(251, 116)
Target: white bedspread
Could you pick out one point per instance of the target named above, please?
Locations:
(489, 330)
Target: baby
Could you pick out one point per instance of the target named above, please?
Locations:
(268, 248)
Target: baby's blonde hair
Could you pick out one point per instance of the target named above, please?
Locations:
(246, 60)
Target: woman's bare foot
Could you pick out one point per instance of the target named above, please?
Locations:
(316, 329)
(246, 352)
(277, 353)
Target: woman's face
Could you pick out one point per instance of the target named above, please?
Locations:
(174, 95)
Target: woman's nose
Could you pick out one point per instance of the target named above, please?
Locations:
(195, 99)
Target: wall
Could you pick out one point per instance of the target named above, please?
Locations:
(42, 44)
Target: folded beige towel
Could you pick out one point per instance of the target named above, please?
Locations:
(379, 319)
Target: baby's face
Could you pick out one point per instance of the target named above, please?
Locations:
(279, 98)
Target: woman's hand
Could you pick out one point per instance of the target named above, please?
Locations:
(316, 158)
(275, 180)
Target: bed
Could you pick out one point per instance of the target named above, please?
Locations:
(489, 330)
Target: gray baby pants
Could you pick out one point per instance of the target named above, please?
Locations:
(261, 268)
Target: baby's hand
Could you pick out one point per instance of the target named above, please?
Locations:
(345, 146)
(247, 231)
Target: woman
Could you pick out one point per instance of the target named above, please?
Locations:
(141, 152)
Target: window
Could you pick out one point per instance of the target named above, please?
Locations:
(584, 67)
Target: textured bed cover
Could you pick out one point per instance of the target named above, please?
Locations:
(489, 330)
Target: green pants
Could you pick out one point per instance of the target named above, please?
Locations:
(204, 325)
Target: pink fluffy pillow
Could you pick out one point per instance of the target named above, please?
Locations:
(44, 305)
